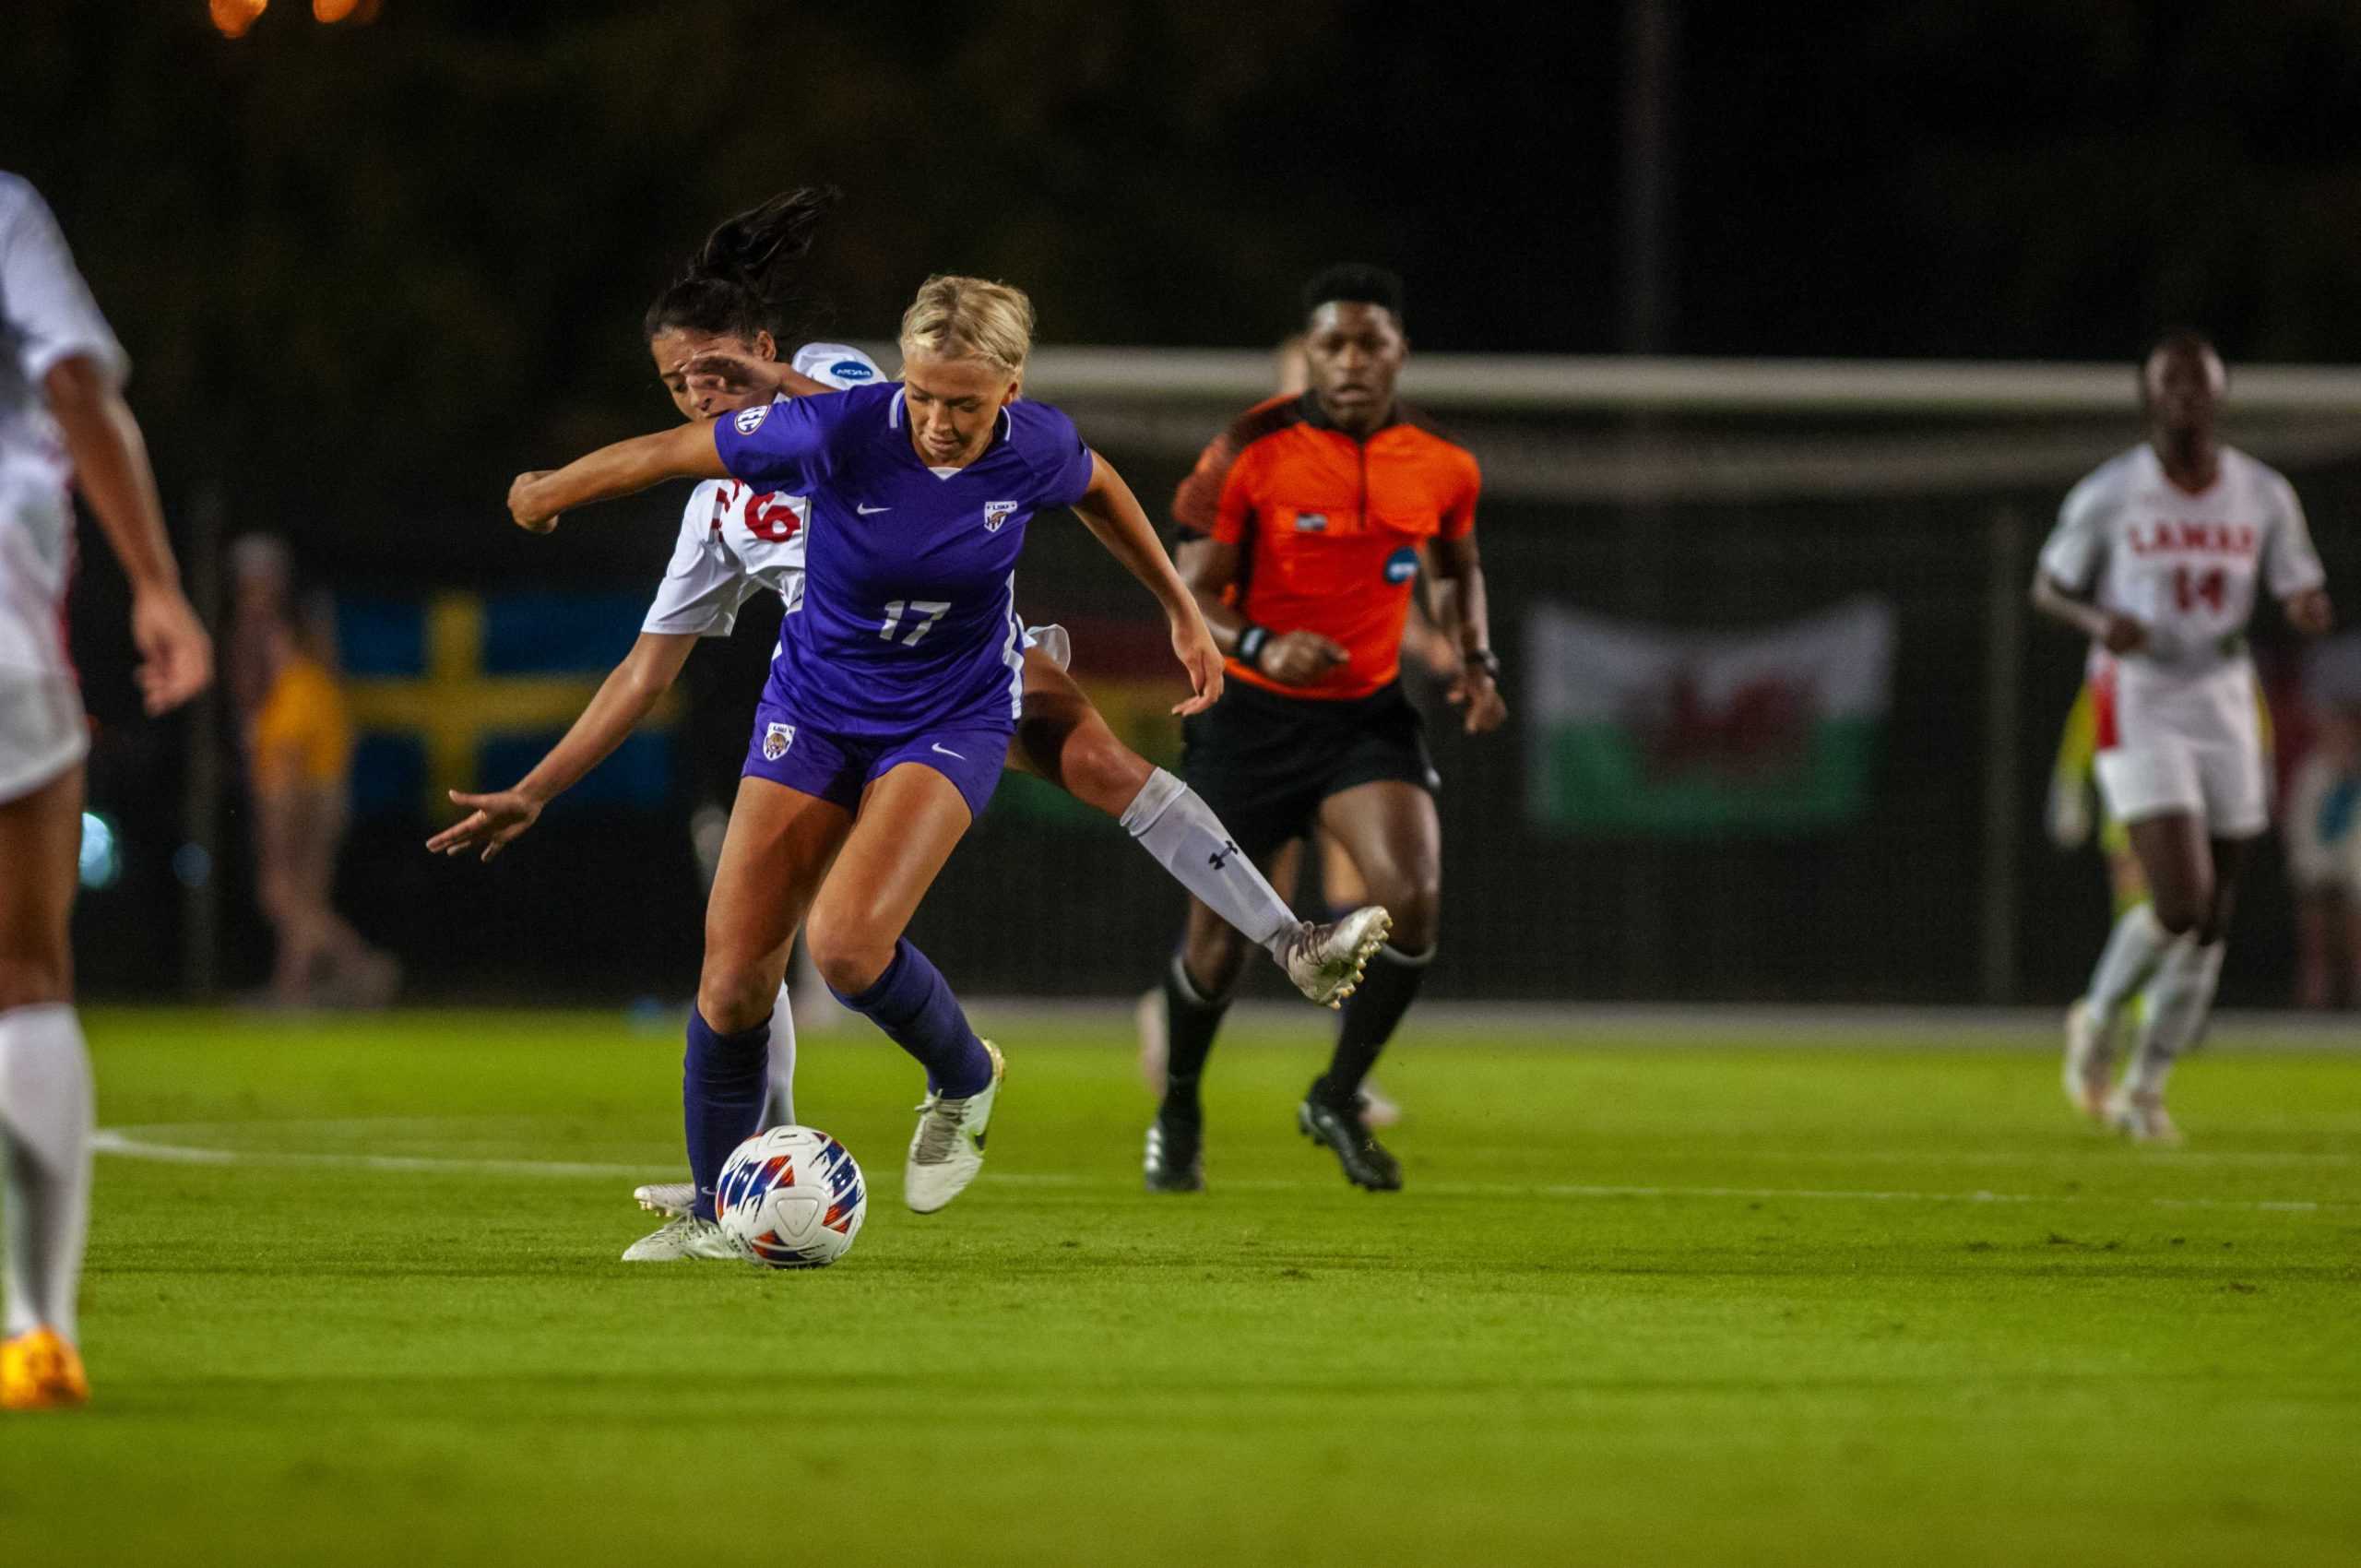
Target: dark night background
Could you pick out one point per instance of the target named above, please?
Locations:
(367, 273)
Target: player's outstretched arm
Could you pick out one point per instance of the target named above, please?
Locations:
(685, 451)
(1464, 613)
(630, 691)
(111, 467)
(1113, 514)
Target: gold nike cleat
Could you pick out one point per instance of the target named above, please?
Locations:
(41, 1370)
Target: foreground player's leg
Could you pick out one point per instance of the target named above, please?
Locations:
(1390, 829)
(2179, 1001)
(911, 818)
(779, 840)
(677, 1198)
(1066, 740)
(44, 1101)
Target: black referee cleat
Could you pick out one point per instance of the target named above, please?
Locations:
(1341, 1128)
(1176, 1160)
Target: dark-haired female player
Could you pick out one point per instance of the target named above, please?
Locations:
(2155, 558)
(727, 310)
(1309, 519)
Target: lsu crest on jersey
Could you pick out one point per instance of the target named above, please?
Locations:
(2185, 565)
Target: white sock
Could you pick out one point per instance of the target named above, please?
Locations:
(778, 1101)
(2132, 954)
(2179, 1001)
(45, 1155)
(1173, 824)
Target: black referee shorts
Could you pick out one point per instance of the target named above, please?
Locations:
(1265, 761)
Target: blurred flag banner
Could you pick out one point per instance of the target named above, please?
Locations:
(1641, 732)
(463, 691)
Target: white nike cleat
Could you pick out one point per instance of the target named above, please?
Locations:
(2142, 1118)
(685, 1236)
(1326, 961)
(948, 1147)
(2090, 1061)
(670, 1199)
(1156, 1046)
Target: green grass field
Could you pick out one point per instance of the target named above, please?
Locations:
(1643, 1301)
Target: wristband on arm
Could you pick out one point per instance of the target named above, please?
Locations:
(1251, 643)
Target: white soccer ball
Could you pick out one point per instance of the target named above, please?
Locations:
(792, 1197)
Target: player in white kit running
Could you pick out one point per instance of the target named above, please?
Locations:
(2155, 558)
(63, 421)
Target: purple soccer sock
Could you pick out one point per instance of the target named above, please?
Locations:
(723, 1078)
(912, 1002)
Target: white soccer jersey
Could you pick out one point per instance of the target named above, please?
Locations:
(46, 316)
(2184, 565)
(735, 541)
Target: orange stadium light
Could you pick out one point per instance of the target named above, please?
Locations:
(233, 17)
(333, 11)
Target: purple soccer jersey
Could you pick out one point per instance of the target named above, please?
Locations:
(908, 619)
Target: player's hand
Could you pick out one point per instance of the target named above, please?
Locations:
(525, 505)
(175, 653)
(1302, 658)
(2121, 634)
(1192, 641)
(1474, 690)
(493, 823)
(719, 373)
(2310, 613)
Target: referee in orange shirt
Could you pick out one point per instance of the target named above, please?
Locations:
(1304, 528)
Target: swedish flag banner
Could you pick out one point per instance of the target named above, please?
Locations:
(463, 691)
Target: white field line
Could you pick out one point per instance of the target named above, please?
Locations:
(141, 1142)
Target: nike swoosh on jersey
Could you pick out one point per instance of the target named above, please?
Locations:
(865, 511)
(947, 751)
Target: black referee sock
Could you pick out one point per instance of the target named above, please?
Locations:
(1190, 1020)
(1387, 989)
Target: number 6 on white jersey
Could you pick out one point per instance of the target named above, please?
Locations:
(932, 608)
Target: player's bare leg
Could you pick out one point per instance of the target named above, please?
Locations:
(1390, 829)
(910, 821)
(1066, 740)
(780, 845)
(44, 1100)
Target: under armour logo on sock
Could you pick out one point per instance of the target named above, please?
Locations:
(1220, 856)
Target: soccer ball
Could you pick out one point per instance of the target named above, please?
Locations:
(792, 1198)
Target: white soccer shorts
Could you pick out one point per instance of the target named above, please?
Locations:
(42, 732)
(2194, 747)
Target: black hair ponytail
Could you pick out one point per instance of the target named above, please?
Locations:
(742, 279)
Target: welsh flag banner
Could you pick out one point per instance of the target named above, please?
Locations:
(1635, 730)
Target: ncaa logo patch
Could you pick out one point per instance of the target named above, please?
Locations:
(997, 513)
(775, 739)
(750, 419)
(1402, 566)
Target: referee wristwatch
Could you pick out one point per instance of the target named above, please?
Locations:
(1485, 659)
(1251, 643)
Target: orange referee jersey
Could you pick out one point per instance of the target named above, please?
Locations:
(1329, 529)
